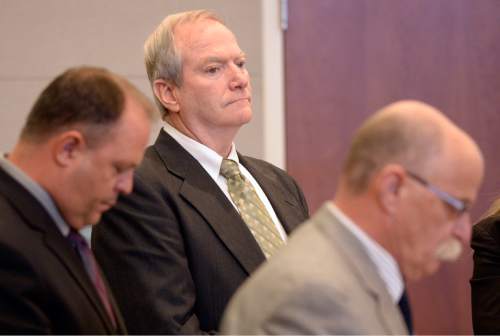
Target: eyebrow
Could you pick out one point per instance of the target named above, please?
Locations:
(217, 59)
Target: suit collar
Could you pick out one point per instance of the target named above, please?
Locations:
(385, 263)
(280, 199)
(362, 266)
(201, 191)
(37, 217)
(209, 159)
(36, 191)
(64, 252)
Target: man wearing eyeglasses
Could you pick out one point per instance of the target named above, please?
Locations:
(400, 210)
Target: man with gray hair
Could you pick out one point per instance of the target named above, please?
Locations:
(82, 140)
(202, 217)
(401, 209)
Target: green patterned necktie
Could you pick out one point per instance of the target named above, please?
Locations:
(251, 209)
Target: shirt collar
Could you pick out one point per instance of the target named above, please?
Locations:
(37, 191)
(385, 263)
(207, 157)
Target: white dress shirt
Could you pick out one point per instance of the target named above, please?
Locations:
(211, 162)
(386, 265)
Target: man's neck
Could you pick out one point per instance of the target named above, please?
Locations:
(370, 219)
(219, 140)
(32, 160)
(22, 157)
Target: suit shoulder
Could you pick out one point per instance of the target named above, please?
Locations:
(20, 245)
(261, 164)
(153, 175)
(264, 171)
(11, 221)
(265, 168)
(149, 164)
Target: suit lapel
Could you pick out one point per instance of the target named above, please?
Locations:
(284, 205)
(65, 253)
(201, 191)
(120, 323)
(363, 268)
(35, 215)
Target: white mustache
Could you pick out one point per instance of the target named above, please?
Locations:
(449, 250)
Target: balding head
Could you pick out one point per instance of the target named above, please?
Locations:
(408, 182)
(409, 133)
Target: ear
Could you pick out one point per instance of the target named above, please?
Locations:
(68, 147)
(388, 184)
(166, 94)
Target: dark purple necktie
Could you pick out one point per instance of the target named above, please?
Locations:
(80, 245)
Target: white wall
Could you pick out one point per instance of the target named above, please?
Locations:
(39, 39)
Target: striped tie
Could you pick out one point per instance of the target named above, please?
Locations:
(80, 245)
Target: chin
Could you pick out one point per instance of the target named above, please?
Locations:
(94, 219)
(431, 268)
(246, 117)
(240, 115)
(421, 270)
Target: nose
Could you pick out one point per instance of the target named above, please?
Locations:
(239, 78)
(462, 229)
(125, 182)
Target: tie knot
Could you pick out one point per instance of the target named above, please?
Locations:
(77, 240)
(229, 168)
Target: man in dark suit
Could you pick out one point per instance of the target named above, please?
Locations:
(82, 139)
(202, 217)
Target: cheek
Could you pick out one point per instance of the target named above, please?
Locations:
(421, 229)
(202, 95)
(437, 230)
(95, 185)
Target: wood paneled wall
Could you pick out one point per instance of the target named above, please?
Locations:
(347, 58)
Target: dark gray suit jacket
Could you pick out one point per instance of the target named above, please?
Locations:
(175, 250)
(44, 287)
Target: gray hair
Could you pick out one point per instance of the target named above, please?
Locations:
(161, 57)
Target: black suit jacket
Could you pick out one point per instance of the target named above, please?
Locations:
(44, 287)
(175, 250)
(485, 282)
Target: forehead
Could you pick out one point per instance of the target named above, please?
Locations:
(205, 38)
(458, 169)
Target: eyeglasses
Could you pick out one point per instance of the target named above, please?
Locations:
(458, 205)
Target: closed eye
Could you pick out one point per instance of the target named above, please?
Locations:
(118, 169)
(241, 64)
(212, 70)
